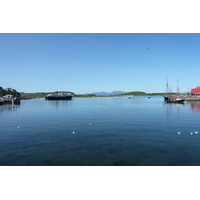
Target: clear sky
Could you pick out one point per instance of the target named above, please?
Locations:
(94, 62)
(86, 63)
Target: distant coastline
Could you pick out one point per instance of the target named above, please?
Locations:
(134, 93)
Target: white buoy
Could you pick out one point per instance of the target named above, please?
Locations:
(196, 132)
(18, 127)
(178, 133)
(90, 123)
(191, 133)
(73, 132)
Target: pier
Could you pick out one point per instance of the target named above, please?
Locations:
(192, 98)
(15, 100)
(188, 97)
(185, 97)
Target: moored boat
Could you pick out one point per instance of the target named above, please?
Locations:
(58, 96)
(177, 100)
(166, 98)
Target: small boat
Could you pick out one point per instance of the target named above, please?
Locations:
(1, 101)
(58, 96)
(178, 100)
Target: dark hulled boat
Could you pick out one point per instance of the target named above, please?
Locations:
(166, 98)
(58, 96)
(175, 100)
(171, 98)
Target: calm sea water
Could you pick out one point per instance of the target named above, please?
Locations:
(106, 131)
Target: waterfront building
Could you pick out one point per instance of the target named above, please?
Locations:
(195, 91)
(8, 96)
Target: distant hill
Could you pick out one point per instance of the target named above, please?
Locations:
(108, 93)
(41, 94)
(136, 93)
(114, 93)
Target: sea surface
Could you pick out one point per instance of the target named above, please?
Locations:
(100, 131)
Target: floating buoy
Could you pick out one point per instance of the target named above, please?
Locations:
(73, 132)
(178, 133)
(18, 127)
(90, 123)
(191, 133)
(196, 132)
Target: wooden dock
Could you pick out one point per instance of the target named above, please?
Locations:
(12, 101)
(187, 98)
(190, 98)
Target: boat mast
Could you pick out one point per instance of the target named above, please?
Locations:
(178, 88)
(167, 86)
(170, 90)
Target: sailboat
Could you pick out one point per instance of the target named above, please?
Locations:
(171, 99)
(177, 100)
(167, 91)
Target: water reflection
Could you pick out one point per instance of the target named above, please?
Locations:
(8, 107)
(173, 109)
(58, 103)
(195, 105)
(109, 131)
(173, 105)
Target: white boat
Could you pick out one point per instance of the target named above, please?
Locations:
(58, 96)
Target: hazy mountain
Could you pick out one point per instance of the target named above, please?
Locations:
(108, 93)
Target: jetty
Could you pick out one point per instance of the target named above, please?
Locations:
(185, 97)
(193, 95)
(15, 100)
(191, 98)
(10, 99)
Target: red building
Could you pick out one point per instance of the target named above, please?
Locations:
(195, 91)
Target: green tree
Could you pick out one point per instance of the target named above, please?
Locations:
(9, 91)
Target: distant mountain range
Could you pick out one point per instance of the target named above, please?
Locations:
(109, 93)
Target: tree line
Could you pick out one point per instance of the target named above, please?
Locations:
(11, 91)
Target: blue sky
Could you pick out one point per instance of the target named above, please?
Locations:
(87, 63)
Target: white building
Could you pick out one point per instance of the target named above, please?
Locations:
(8, 96)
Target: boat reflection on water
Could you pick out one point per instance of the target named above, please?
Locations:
(195, 105)
(173, 109)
